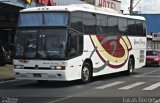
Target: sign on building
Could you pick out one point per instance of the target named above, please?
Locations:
(112, 4)
(31, 3)
(156, 36)
(44, 2)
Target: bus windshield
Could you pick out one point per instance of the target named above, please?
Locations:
(43, 19)
(46, 44)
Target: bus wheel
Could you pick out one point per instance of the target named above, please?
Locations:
(86, 74)
(130, 67)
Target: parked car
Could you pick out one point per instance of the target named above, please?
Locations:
(153, 58)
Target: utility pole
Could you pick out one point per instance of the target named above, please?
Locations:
(131, 7)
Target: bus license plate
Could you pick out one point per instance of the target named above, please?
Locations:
(36, 75)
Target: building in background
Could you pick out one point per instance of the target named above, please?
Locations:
(8, 21)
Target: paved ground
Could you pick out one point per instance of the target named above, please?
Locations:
(141, 87)
(6, 72)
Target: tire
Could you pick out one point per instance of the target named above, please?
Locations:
(86, 73)
(130, 70)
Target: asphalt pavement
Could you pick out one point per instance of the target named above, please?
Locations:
(141, 87)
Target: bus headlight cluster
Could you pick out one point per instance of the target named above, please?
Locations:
(18, 66)
(57, 67)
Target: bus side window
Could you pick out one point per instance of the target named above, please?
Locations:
(89, 23)
(122, 26)
(101, 24)
(73, 45)
(76, 21)
(76, 45)
(80, 44)
(139, 28)
(144, 29)
(131, 27)
(112, 25)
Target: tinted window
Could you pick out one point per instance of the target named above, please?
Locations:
(43, 19)
(73, 45)
(76, 21)
(112, 25)
(131, 27)
(76, 44)
(102, 24)
(80, 44)
(144, 29)
(30, 19)
(139, 28)
(89, 23)
(55, 19)
(122, 26)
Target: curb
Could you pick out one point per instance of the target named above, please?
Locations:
(7, 79)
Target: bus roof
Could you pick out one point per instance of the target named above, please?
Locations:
(81, 7)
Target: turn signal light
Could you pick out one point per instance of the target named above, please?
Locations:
(60, 68)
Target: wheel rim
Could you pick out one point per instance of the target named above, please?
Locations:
(85, 73)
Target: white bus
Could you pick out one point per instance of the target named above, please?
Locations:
(65, 43)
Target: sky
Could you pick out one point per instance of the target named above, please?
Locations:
(145, 6)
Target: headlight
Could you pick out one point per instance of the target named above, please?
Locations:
(156, 59)
(60, 68)
(57, 67)
(18, 67)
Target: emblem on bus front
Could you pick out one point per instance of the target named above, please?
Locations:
(36, 67)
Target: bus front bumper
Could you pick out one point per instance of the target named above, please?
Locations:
(57, 75)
